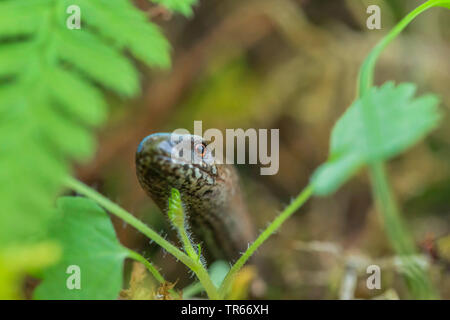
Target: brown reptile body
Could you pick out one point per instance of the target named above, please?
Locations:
(209, 191)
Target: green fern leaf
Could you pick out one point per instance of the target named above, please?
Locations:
(64, 83)
(97, 60)
(13, 58)
(50, 99)
(182, 6)
(50, 95)
(22, 17)
(142, 39)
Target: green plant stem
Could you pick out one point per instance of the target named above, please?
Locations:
(273, 227)
(416, 278)
(187, 244)
(400, 239)
(150, 267)
(113, 208)
(366, 74)
(177, 218)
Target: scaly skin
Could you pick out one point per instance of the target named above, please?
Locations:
(209, 192)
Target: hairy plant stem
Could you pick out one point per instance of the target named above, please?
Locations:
(273, 227)
(194, 264)
(150, 267)
(187, 244)
(113, 208)
(402, 242)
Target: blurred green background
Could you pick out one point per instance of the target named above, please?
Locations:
(292, 65)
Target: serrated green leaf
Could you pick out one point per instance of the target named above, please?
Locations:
(88, 240)
(381, 125)
(182, 6)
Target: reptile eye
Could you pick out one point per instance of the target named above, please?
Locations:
(200, 148)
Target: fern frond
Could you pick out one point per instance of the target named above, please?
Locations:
(142, 39)
(50, 95)
(182, 6)
(63, 84)
(13, 58)
(21, 17)
(97, 60)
